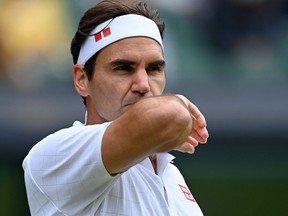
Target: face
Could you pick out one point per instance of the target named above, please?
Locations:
(125, 72)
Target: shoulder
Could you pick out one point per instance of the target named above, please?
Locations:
(70, 157)
(75, 140)
(174, 171)
(174, 176)
(78, 133)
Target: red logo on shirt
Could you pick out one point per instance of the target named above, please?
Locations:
(187, 193)
(106, 32)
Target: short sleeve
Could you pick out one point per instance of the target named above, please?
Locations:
(65, 171)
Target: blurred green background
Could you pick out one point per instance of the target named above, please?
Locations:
(228, 56)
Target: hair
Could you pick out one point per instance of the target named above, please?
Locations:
(102, 12)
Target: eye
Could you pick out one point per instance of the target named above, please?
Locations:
(127, 68)
(157, 66)
(153, 69)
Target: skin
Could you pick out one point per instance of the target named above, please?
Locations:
(126, 88)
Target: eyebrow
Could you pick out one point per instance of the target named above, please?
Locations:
(122, 62)
(159, 63)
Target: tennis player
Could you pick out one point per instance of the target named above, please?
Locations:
(117, 162)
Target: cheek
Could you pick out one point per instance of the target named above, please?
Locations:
(163, 84)
(104, 94)
(158, 85)
(108, 95)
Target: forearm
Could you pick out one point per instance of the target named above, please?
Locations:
(154, 124)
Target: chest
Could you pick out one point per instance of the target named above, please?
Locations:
(139, 191)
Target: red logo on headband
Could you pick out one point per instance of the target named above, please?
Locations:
(106, 32)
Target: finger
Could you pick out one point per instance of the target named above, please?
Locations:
(201, 121)
(192, 141)
(199, 130)
(194, 110)
(186, 147)
(199, 126)
(201, 135)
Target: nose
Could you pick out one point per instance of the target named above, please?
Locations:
(140, 82)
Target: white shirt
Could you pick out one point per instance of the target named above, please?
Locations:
(65, 175)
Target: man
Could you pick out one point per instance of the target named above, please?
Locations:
(117, 162)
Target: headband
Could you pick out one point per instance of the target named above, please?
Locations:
(130, 25)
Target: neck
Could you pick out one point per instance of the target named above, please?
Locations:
(153, 159)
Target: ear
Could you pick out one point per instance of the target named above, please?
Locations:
(80, 80)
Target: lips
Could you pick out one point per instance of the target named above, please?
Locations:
(131, 101)
(134, 100)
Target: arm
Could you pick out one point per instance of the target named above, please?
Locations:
(152, 125)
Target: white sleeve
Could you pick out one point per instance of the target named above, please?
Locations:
(65, 171)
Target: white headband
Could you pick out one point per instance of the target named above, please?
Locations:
(130, 25)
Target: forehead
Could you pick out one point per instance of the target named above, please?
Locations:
(133, 47)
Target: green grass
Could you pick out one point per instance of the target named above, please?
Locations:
(13, 201)
(241, 197)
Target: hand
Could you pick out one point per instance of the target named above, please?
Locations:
(199, 133)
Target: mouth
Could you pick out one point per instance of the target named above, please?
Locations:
(133, 101)
(129, 104)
